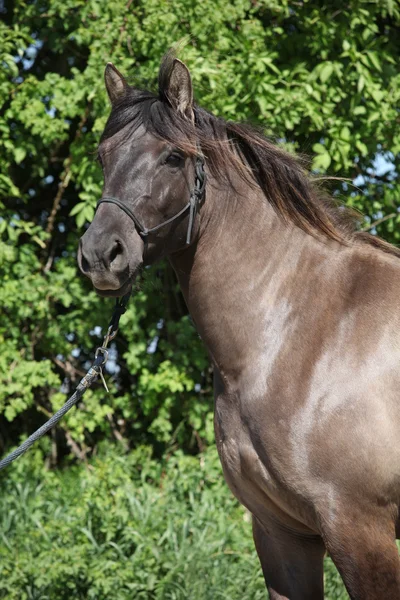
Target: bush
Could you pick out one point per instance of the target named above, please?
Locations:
(320, 77)
(128, 527)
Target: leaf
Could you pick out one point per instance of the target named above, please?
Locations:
(321, 161)
(377, 95)
(362, 148)
(345, 133)
(81, 219)
(308, 88)
(374, 60)
(89, 213)
(19, 155)
(77, 208)
(361, 83)
(10, 62)
(326, 72)
(319, 148)
(359, 110)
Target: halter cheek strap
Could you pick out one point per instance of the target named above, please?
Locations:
(196, 197)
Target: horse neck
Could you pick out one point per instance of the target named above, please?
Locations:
(237, 276)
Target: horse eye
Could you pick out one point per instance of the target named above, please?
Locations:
(174, 159)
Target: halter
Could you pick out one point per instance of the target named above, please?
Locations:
(196, 197)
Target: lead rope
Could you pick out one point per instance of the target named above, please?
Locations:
(95, 371)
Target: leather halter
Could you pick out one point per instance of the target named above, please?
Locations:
(196, 197)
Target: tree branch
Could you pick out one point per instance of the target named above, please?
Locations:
(379, 221)
(64, 181)
(68, 368)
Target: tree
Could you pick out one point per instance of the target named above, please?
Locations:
(322, 79)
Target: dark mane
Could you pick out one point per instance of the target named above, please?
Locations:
(284, 180)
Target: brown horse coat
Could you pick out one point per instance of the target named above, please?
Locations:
(300, 316)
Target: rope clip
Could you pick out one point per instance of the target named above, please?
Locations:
(110, 335)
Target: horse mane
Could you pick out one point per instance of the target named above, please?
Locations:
(282, 177)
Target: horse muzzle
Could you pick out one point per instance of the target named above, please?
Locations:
(108, 262)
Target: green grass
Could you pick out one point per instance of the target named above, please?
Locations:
(128, 528)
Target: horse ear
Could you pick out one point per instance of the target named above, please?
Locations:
(115, 83)
(178, 89)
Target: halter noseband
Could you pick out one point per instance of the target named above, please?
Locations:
(196, 197)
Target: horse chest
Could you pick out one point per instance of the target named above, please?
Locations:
(247, 476)
(251, 471)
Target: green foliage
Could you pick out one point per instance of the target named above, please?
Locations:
(128, 527)
(321, 78)
(316, 77)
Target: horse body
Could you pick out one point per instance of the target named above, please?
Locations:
(307, 392)
(303, 329)
(307, 359)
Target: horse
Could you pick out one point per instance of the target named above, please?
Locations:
(299, 313)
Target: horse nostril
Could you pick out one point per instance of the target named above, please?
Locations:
(116, 250)
(84, 265)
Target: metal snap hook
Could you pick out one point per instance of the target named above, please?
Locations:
(102, 350)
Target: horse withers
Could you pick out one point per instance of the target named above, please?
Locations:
(300, 315)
